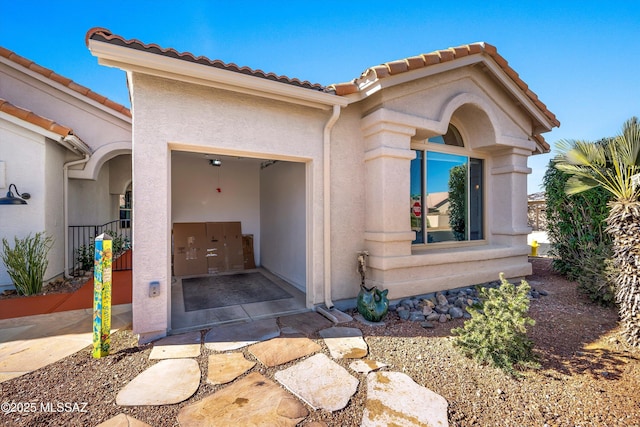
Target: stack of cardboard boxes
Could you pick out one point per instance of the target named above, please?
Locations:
(210, 247)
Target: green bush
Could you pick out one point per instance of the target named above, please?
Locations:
(496, 334)
(27, 262)
(576, 229)
(85, 254)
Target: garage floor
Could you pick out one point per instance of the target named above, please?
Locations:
(182, 320)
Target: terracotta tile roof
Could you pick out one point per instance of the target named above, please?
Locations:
(438, 57)
(378, 72)
(104, 35)
(33, 118)
(540, 140)
(27, 63)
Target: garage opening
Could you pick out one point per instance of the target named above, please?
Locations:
(239, 239)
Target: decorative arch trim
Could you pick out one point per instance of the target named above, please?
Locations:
(99, 158)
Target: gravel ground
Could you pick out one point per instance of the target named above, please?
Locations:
(588, 375)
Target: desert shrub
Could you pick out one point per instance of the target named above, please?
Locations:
(27, 261)
(576, 229)
(496, 334)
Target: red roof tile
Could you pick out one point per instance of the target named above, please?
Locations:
(373, 73)
(104, 35)
(425, 60)
(6, 53)
(33, 118)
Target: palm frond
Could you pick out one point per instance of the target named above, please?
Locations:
(577, 184)
(609, 163)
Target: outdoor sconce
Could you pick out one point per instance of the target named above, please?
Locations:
(13, 200)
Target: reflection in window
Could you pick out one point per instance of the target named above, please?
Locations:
(446, 196)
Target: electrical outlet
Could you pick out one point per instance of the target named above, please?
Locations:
(154, 289)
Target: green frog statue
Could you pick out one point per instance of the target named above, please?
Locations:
(373, 303)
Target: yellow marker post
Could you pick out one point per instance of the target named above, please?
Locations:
(102, 296)
(534, 248)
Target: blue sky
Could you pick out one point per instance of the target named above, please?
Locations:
(582, 58)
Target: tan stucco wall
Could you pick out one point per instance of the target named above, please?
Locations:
(177, 116)
(370, 158)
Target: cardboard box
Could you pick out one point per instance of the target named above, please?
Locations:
(190, 243)
(207, 248)
(216, 262)
(234, 256)
(247, 251)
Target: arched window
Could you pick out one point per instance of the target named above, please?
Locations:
(446, 191)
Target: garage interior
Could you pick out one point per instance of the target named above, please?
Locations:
(239, 239)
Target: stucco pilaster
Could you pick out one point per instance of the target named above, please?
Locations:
(151, 221)
(509, 196)
(387, 158)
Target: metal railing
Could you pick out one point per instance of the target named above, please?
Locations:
(81, 247)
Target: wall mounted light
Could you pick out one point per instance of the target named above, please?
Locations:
(13, 200)
(215, 162)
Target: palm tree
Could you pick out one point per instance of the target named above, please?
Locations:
(612, 164)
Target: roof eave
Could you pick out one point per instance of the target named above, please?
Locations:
(67, 140)
(72, 89)
(134, 60)
(374, 85)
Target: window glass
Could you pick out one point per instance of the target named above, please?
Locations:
(446, 192)
(416, 197)
(446, 201)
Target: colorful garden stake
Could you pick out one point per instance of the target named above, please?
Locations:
(102, 296)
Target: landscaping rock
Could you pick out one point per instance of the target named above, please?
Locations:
(456, 312)
(416, 316)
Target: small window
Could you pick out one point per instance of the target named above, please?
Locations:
(452, 137)
(125, 210)
(446, 193)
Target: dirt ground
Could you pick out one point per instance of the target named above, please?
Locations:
(588, 375)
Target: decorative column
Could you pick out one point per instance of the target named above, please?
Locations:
(387, 158)
(509, 196)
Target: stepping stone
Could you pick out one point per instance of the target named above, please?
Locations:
(306, 323)
(167, 382)
(320, 382)
(251, 401)
(123, 420)
(364, 366)
(282, 350)
(345, 343)
(177, 346)
(393, 398)
(224, 368)
(238, 335)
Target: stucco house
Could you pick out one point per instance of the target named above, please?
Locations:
(66, 146)
(317, 174)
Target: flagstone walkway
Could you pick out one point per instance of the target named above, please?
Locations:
(316, 379)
